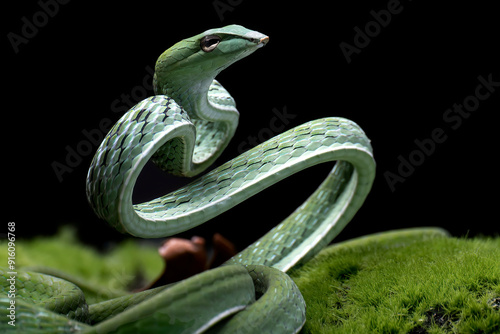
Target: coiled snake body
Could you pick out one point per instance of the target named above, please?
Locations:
(183, 129)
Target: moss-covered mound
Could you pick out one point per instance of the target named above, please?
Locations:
(413, 281)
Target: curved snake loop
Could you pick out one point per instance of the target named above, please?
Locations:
(183, 129)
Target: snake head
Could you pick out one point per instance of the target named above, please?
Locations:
(203, 56)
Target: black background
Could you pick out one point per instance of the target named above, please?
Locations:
(66, 77)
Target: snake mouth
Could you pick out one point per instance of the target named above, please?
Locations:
(263, 41)
(256, 37)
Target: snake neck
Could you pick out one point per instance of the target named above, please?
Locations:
(203, 98)
(211, 109)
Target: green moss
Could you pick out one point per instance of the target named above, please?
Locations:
(100, 275)
(413, 281)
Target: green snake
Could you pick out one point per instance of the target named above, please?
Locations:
(183, 129)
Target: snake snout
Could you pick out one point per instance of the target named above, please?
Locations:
(263, 41)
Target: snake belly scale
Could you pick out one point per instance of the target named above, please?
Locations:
(183, 129)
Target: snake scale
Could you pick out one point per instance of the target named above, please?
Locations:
(183, 129)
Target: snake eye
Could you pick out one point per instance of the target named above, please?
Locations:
(209, 42)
